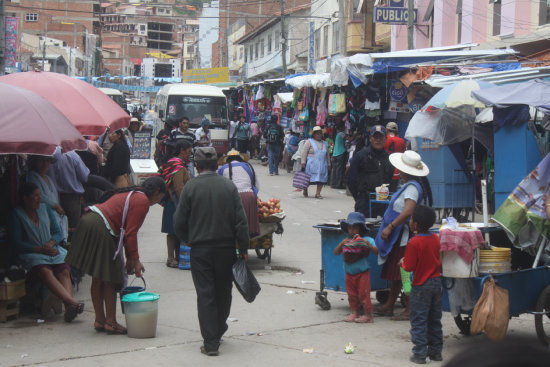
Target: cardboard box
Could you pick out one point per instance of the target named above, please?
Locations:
(12, 290)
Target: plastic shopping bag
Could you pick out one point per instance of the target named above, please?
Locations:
(245, 281)
(491, 312)
(337, 103)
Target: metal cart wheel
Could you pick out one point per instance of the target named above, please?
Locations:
(463, 323)
(543, 309)
(382, 296)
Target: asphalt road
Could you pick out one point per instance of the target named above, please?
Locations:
(283, 327)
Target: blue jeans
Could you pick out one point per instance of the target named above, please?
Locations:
(273, 153)
(425, 314)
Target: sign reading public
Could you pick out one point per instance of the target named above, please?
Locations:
(393, 15)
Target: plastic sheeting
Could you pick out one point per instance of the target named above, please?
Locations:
(445, 127)
(284, 97)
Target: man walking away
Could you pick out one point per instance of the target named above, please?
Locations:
(274, 138)
(339, 159)
(211, 220)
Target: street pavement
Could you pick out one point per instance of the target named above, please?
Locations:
(282, 327)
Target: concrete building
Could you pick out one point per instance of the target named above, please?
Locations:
(235, 51)
(190, 44)
(518, 24)
(208, 34)
(263, 51)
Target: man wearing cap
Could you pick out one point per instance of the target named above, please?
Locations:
(203, 134)
(211, 220)
(370, 168)
(394, 144)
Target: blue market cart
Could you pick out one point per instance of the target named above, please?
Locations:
(528, 291)
(333, 276)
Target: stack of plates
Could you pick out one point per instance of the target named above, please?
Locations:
(496, 260)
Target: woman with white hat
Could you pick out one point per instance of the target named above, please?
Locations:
(316, 161)
(394, 232)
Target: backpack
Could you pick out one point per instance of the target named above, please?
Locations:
(272, 136)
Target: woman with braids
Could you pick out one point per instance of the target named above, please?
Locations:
(175, 175)
(238, 170)
(103, 236)
(394, 232)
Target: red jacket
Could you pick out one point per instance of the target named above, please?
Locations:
(422, 257)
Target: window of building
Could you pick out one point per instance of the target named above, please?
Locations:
(256, 49)
(31, 17)
(251, 53)
(544, 12)
(325, 40)
(269, 40)
(241, 52)
(497, 9)
(246, 55)
(262, 47)
(317, 43)
(188, 64)
(354, 6)
(277, 41)
(336, 37)
(190, 49)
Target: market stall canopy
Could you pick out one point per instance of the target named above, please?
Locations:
(534, 93)
(284, 97)
(456, 95)
(30, 124)
(86, 107)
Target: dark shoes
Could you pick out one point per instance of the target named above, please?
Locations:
(417, 359)
(72, 311)
(435, 357)
(210, 353)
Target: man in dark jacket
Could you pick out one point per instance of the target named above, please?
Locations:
(274, 136)
(370, 168)
(210, 219)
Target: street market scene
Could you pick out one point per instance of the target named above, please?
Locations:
(361, 182)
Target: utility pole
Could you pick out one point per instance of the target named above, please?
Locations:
(283, 37)
(343, 28)
(2, 38)
(410, 25)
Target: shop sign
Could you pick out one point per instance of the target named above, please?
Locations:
(396, 3)
(205, 75)
(415, 106)
(393, 15)
(398, 91)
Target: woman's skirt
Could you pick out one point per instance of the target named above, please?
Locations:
(93, 248)
(168, 217)
(250, 205)
(390, 269)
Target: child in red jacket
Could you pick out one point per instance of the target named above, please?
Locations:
(422, 258)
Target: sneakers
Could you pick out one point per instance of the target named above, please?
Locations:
(210, 353)
(417, 359)
(435, 357)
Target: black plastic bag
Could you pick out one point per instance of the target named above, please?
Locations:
(245, 281)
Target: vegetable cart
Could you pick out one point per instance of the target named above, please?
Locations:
(263, 243)
(333, 276)
(528, 290)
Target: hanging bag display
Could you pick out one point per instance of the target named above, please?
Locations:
(304, 115)
(337, 103)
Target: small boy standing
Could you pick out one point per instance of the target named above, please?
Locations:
(422, 258)
(355, 250)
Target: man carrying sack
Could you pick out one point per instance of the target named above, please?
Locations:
(211, 220)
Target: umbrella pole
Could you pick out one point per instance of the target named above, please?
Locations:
(473, 171)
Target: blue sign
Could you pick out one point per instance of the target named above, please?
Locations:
(397, 3)
(393, 15)
(398, 91)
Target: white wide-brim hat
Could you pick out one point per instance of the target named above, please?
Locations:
(409, 162)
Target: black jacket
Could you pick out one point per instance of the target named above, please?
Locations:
(118, 161)
(369, 169)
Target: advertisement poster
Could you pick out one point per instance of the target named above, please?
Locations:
(11, 42)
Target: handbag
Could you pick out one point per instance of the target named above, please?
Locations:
(245, 281)
(301, 180)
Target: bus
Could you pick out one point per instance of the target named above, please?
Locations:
(195, 101)
(116, 96)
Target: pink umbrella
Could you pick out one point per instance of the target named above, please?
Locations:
(32, 125)
(87, 108)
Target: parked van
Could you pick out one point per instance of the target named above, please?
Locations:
(115, 95)
(195, 101)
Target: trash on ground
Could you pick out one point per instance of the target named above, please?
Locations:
(248, 333)
(299, 273)
(150, 348)
(24, 355)
(289, 292)
(232, 319)
(349, 349)
(267, 267)
(307, 350)
(308, 281)
(260, 334)
(39, 321)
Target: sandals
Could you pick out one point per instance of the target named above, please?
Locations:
(380, 311)
(172, 263)
(72, 311)
(319, 197)
(99, 327)
(401, 317)
(364, 319)
(115, 329)
(351, 318)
